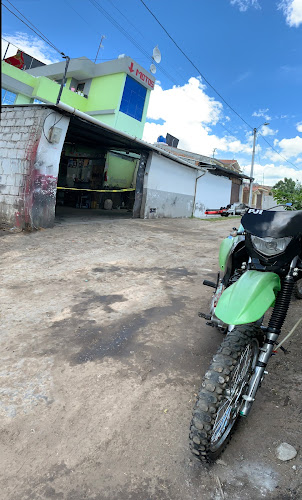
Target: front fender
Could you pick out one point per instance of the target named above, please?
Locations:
(249, 298)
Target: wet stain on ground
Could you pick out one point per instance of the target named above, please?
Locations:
(93, 298)
(174, 272)
(96, 341)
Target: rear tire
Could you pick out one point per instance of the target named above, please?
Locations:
(219, 400)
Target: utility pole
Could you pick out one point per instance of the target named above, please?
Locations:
(214, 152)
(252, 168)
(100, 46)
(252, 165)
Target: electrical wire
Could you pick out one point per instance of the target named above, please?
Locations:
(56, 122)
(33, 25)
(207, 81)
(194, 65)
(83, 58)
(139, 47)
(126, 18)
(45, 39)
(130, 38)
(283, 157)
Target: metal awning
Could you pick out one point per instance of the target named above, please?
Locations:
(89, 134)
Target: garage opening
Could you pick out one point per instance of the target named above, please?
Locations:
(97, 174)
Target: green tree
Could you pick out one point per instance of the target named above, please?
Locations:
(288, 191)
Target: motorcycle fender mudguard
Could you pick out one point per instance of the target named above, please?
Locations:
(249, 298)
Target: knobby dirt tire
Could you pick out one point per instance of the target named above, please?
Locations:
(298, 289)
(212, 394)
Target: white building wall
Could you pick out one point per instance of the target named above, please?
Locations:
(168, 188)
(212, 191)
(268, 201)
(29, 165)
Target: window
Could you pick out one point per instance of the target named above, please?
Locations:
(7, 97)
(80, 87)
(36, 101)
(133, 99)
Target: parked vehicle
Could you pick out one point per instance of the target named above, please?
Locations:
(216, 211)
(237, 209)
(262, 263)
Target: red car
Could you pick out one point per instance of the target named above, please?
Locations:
(215, 211)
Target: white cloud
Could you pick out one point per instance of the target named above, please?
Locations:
(291, 147)
(242, 77)
(299, 127)
(262, 113)
(188, 113)
(292, 10)
(244, 5)
(272, 174)
(265, 131)
(288, 148)
(30, 44)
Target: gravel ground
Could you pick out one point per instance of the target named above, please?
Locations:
(102, 356)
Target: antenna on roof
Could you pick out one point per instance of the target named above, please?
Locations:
(100, 47)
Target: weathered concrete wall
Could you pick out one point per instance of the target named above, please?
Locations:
(212, 191)
(268, 201)
(29, 165)
(168, 188)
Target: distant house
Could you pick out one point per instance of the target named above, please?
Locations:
(55, 159)
(221, 185)
(115, 92)
(261, 197)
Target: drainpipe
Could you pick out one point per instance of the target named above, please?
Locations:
(203, 173)
(64, 78)
(6, 50)
(139, 185)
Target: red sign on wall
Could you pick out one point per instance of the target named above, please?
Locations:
(142, 76)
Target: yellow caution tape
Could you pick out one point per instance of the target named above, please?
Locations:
(97, 190)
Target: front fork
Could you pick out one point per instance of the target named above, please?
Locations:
(272, 333)
(264, 356)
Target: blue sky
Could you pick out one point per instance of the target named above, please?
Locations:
(249, 50)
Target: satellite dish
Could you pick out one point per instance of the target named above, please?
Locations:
(156, 54)
(153, 69)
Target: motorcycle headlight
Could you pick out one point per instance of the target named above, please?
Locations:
(270, 246)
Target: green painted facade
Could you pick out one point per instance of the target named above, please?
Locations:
(105, 95)
(106, 92)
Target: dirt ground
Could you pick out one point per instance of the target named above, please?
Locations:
(102, 355)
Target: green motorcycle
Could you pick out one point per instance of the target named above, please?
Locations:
(262, 263)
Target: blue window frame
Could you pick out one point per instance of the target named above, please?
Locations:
(133, 100)
(7, 97)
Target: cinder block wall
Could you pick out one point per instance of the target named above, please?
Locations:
(29, 165)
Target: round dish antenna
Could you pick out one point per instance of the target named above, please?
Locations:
(153, 69)
(156, 54)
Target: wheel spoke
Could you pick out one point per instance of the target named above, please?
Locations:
(220, 398)
(230, 405)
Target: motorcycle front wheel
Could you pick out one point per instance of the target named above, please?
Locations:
(298, 289)
(220, 398)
